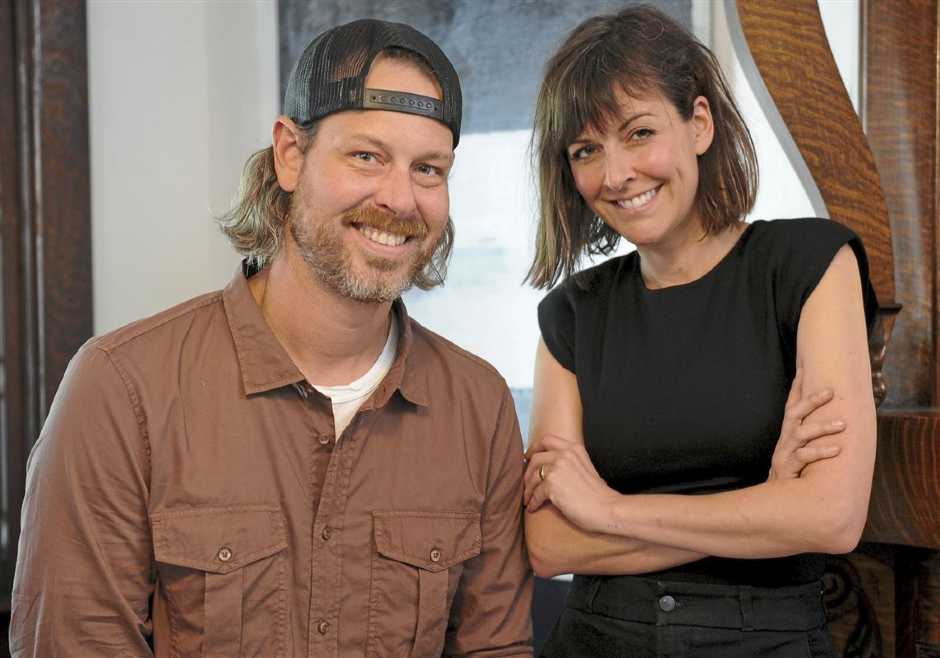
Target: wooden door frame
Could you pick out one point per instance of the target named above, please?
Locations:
(45, 230)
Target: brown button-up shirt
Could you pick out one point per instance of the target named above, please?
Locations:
(187, 485)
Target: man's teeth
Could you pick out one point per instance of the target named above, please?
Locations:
(388, 239)
(638, 200)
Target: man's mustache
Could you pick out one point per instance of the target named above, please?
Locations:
(386, 221)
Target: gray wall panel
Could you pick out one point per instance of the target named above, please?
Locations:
(499, 47)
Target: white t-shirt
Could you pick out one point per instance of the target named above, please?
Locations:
(348, 398)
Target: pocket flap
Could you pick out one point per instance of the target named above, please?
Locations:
(433, 541)
(218, 539)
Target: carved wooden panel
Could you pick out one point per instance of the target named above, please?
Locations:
(859, 591)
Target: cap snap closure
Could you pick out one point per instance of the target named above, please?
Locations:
(224, 554)
(435, 555)
(667, 603)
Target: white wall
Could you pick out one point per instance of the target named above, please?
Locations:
(841, 20)
(179, 94)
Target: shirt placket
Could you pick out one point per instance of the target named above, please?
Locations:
(327, 532)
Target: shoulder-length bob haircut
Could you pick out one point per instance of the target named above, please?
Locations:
(637, 51)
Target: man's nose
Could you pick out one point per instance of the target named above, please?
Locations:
(396, 193)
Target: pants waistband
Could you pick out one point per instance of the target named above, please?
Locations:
(631, 598)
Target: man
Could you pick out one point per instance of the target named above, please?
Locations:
(292, 466)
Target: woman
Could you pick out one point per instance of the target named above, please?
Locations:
(670, 380)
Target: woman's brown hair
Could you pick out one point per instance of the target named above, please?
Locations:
(637, 51)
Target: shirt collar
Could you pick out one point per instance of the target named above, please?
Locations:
(265, 364)
(407, 374)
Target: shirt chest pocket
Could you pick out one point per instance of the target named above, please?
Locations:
(416, 567)
(222, 577)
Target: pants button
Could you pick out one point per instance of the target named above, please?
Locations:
(667, 603)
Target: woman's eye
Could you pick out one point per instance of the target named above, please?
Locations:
(583, 152)
(642, 133)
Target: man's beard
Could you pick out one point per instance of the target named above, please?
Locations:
(331, 263)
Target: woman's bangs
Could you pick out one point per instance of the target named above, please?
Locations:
(596, 86)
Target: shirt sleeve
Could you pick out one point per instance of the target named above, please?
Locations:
(556, 322)
(491, 615)
(83, 574)
(808, 247)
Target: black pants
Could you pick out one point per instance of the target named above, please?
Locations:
(628, 616)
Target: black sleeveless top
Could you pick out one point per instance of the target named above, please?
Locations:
(683, 388)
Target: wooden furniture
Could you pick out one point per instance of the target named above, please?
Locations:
(884, 599)
(45, 235)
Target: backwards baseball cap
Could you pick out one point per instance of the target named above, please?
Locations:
(330, 75)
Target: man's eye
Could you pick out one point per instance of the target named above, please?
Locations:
(365, 156)
(428, 170)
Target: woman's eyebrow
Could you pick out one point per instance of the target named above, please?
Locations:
(581, 139)
(633, 117)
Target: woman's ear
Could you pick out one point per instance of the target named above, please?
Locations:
(702, 124)
(288, 154)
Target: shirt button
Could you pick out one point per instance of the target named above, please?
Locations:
(325, 439)
(224, 554)
(435, 555)
(667, 603)
(323, 627)
(327, 533)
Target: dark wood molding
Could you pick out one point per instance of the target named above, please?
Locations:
(900, 107)
(45, 254)
(15, 408)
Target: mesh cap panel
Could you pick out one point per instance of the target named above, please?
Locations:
(330, 75)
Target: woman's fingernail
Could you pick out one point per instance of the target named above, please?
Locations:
(838, 424)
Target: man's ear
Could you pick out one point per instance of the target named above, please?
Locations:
(703, 124)
(288, 155)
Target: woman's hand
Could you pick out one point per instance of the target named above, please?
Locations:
(800, 443)
(561, 472)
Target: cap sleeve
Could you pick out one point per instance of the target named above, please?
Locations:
(556, 322)
(808, 247)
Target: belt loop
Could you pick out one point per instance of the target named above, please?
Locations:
(592, 593)
(747, 608)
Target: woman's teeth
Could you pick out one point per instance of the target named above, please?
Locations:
(639, 199)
